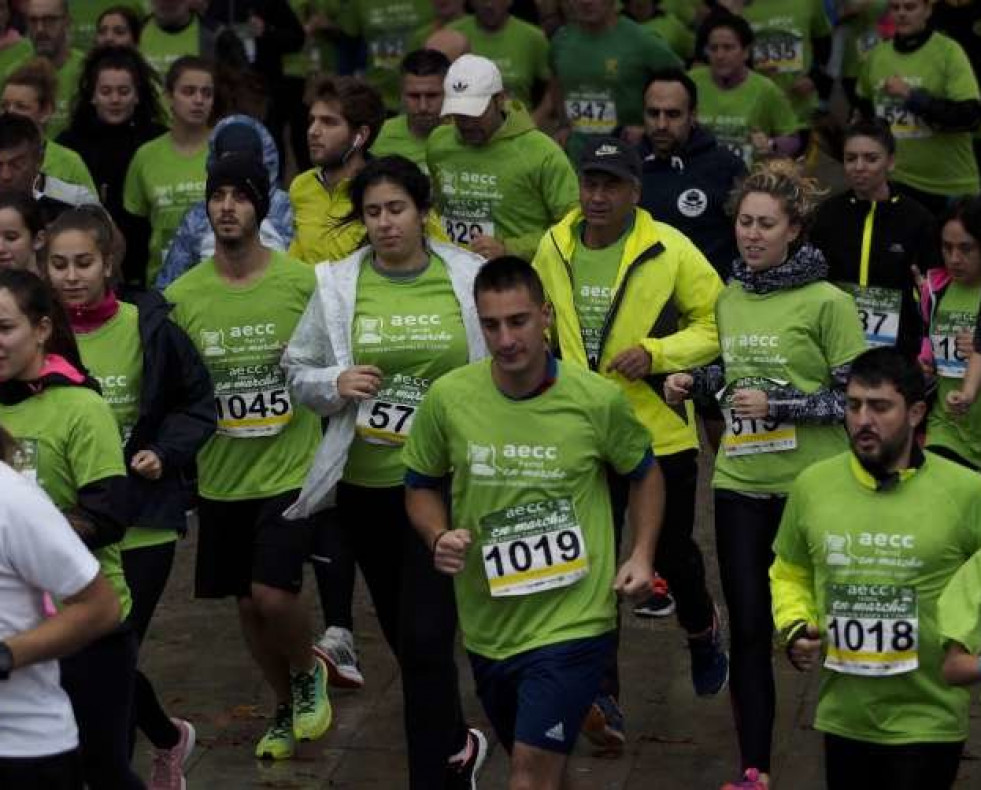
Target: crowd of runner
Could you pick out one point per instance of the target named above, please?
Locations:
(460, 296)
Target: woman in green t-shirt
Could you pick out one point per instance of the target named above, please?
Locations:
(746, 111)
(21, 232)
(787, 339)
(383, 325)
(949, 299)
(68, 444)
(167, 175)
(161, 396)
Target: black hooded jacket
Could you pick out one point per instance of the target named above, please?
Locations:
(176, 418)
(689, 191)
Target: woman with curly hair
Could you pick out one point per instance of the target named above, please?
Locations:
(788, 338)
(116, 110)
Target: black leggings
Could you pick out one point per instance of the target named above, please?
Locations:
(677, 558)
(859, 765)
(417, 612)
(147, 571)
(335, 568)
(745, 528)
(99, 683)
(54, 772)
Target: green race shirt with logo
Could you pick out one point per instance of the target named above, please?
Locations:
(756, 104)
(926, 159)
(594, 273)
(956, 313)
(880, 560)
(784, 338)
(161, 185)
(68, 439)
(412, 329)
(265, 443)
(602, 75)
(529, 483)
(396, 138)
(784, 30)
(387, 27)
(520, 51)
(162, 49)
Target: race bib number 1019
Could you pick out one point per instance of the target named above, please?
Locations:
(533, 547)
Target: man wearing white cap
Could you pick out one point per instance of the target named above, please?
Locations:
(499, 183)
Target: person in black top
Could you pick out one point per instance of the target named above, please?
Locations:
(687, 175)
(876, 239)
(116, 111)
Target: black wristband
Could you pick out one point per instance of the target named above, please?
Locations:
(6, 661)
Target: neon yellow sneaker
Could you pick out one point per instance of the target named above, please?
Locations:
(311, 707)
(278, 743)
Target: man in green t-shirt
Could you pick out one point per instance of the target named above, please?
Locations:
(858, 595)
(526, 441)
(171, 31)
(240, 309)
(601, 63)
(518, 49)
(423, 72)
(498, 182)
(48, 27)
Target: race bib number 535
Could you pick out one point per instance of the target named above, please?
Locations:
(533, 547)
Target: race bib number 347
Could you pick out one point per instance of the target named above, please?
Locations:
(534, 547)
(872, 629)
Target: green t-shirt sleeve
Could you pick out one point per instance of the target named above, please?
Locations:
(962, 85)
(658, 54)
(789, 544)
(625, 441)
(134, 197)
(959, 607)
(94, 449)
(841, 335)
(348, 18)
(542, 68)
(427, 451)
(820, 24)
(780, 115)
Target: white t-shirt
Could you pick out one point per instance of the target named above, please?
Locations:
(39, 553)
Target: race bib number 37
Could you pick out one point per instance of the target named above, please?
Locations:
(531, 548)
(872, 629)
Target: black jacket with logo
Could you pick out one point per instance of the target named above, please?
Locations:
(689, 191)
(904, 234)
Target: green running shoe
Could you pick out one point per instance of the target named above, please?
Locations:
(278, 743)
(311, 707)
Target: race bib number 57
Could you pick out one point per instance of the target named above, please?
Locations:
(533, 547)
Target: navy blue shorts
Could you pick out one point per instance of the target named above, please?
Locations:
(541, 697)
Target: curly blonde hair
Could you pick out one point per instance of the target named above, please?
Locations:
(781, 179)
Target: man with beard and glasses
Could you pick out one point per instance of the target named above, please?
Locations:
(868, 541)
(346, 115)
(423, 72)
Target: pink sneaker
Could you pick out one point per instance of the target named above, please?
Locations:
(168, 764)
(752, 780)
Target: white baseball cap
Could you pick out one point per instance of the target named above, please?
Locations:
(469, 85)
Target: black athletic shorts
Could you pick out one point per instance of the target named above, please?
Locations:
(249, 541)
